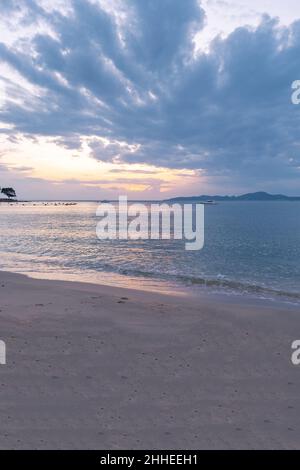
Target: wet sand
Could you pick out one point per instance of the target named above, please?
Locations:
(98, 367)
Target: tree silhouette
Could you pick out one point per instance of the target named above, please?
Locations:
(9, 192)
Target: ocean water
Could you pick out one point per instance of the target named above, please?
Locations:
(251, 248)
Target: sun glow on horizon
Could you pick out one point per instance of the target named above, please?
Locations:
(47, 159)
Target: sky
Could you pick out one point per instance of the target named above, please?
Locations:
(148, 98)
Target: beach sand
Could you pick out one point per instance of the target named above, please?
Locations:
(97, 367)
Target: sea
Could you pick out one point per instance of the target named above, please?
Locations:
(250, 248)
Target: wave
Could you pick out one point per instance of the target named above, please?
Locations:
(219, 283)
(26, 263)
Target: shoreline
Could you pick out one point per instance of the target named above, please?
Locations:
(75, 252)
(210, 290)
(99, 367)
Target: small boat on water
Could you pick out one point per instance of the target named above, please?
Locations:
(210, 202)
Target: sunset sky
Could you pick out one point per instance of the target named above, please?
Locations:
(149, 98)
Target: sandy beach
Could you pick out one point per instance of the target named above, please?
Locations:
(97, 367)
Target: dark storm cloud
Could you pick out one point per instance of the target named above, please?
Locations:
(227, 112)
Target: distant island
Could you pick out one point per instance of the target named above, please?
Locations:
(258, 196)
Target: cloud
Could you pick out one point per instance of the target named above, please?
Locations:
(131, 76)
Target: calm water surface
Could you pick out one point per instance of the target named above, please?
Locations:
(250, 247)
